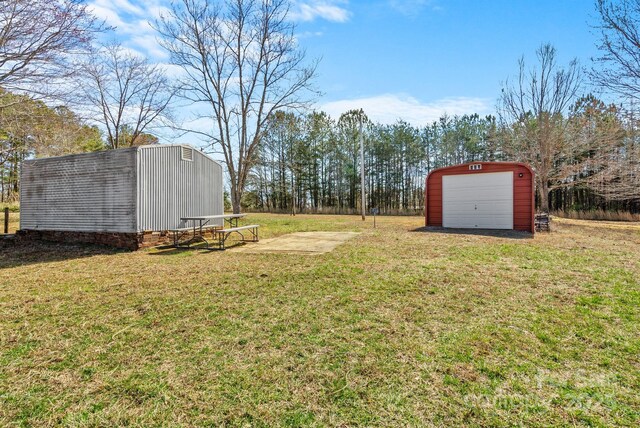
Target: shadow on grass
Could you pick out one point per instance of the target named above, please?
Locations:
(14, 253)
(170, 250)
(494, 233)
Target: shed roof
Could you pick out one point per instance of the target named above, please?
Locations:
(135, 148)
(458, 166)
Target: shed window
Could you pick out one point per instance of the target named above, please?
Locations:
(187, 153)
(475, 166)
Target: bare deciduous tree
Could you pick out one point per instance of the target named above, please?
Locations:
(534, 105)
(620, 47)
(241, 62)
(39, 40)
(124, 93)
(595, 135)
(621, 181)
(620, 73)
(618, 175)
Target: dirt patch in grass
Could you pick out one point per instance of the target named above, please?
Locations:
(392, 328)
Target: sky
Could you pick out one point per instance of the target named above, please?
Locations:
(413, 60)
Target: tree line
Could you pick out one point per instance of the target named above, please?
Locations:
(63, 89)
(310, 162)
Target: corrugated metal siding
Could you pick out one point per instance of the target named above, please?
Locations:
(92, 192)
(170, 187)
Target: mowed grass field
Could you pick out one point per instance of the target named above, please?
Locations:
(397, 327)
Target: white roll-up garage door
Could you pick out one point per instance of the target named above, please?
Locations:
(483, 201)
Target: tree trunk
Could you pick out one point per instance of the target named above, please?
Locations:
(543, 185)
(236, 196)
(293, 196)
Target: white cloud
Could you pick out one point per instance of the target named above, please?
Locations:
(105, 13)
(308, 34)
(329, 10)
(132, 22)
(388, 108)
(132, 52)
(149, 42)
(158, 11)
(171, 70)
(124, 5)
(133, 19)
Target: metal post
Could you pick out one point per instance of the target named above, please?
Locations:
(6, 220)
(362, 170)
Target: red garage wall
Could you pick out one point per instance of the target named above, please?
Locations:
(523, 191)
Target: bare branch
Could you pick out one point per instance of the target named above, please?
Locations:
(40, 41)
(618, 67)
(125, 93)
(533, 111)
(241, 62)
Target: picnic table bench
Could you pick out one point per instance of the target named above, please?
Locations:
(219, 234)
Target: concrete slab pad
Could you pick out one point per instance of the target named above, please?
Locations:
(298, 243)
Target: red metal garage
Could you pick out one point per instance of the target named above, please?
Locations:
(481, 195)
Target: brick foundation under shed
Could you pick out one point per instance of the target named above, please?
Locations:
(128, 241)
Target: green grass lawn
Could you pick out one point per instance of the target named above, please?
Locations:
(394, 328)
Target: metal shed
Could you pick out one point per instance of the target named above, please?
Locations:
(481, 195)
(118, 195)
